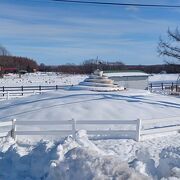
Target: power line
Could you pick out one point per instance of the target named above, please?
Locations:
(119, 4)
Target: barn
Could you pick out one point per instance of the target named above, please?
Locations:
(130, 79)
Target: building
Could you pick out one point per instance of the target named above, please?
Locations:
(130, 79)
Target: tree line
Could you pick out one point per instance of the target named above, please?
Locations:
(89, 66)
(19, 63)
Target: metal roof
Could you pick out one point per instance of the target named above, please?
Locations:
(126, 74)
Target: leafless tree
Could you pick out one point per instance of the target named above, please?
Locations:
(4, 51)
(171, 46)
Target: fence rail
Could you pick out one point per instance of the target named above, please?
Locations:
(147, 127)
(171, 86)
(134, 134)
(6, 91)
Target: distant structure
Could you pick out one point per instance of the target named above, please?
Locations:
(98, 82)
(7, 70)
(130, 79)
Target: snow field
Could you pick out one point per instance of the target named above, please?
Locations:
(166, 78)
(55, 158)
(40, 78)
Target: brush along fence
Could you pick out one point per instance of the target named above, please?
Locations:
(133, 129)
(68, 127)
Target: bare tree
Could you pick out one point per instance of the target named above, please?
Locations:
(4, 51)
(171, 46)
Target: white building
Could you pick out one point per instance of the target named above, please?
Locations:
(136, 80)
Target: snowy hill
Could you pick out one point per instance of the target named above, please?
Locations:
(88, 105)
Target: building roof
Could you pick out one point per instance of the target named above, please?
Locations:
(126, 74)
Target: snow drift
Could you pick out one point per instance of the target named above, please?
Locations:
(70, 159)
(80, 159)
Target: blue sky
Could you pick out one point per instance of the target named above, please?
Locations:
(59, 33)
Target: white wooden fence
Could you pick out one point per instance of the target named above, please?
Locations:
(128, 133)
(148, 127)
(8, 94)
(156, 126)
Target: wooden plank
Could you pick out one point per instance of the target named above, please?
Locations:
(104, 132)
(160, 120)
(63, 122)
(68, 132)
(5, 123)
(110, 122)
(47, 132)
(160, 130)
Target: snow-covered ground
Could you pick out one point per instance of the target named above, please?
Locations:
(165, 78)
(83, 159)
(89, 105)
(40, 78)
(54, 158)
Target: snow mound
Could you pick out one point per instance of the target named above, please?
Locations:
(70, 159)
(81, 163)
(168, 167)
(169, 163)
(81, 159)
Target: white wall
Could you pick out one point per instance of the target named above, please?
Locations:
(132, 82)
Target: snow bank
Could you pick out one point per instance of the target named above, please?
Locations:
(168, 167)
(169, 163)
(79, 159)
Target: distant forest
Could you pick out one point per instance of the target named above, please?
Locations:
(87, 67)
(18, 63)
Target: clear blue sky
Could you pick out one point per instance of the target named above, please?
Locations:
(59, 33)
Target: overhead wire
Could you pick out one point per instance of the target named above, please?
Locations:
(118, 4)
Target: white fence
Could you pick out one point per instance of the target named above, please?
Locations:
(8, 95)
(157, 126)
(148, 127)
(125, 133)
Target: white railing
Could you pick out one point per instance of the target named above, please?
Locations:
(8, 95)
(147, 127)
(128, 133)
(161, 125)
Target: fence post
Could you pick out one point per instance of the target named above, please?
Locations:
(176, 88)
(151, 87)
(3, 90)
(56, 87)
(40, 89)
(22, 90)
(172, 87)
(74, 128)
(138, 130)
(13, 131)
(7, 97)
(162, 86)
